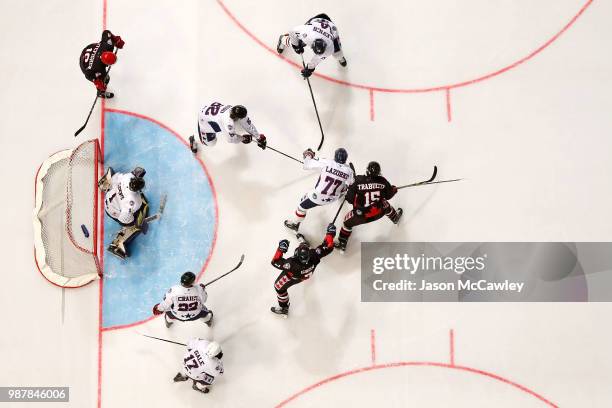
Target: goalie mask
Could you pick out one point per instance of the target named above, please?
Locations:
(302, 253)
(136, 184)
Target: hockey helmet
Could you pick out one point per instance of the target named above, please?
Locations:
(318, 46)
(373, 169)
(188, 278)
(238, 112)
(214, 350)
(136, 184)
(302, 253)
(340, 155)
(108, 58)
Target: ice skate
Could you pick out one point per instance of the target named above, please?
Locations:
(204, 390)
(280, 46)
(340, 245)
(282, 311)
(180, 377)
(192, 144)
(168, 322)
(398, 215)
(342, 62)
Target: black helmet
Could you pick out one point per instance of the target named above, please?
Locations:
(340, 155)
(188, 278)
(238, 112)
(373, 169)
(136, 184)
(318, 46)
(302, 253)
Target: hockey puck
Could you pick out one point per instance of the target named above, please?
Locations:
(84, 229)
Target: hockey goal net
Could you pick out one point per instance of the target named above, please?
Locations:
(66, 214)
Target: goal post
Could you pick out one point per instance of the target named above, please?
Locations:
(66, 216)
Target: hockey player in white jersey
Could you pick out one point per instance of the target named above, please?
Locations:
(332, 184)
(185, 302)
(217, 119)
(321, 35)
(125, 203)
(202, 364)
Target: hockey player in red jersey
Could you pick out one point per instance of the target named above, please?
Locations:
(368, 195)
(96, 60)
(299, 267)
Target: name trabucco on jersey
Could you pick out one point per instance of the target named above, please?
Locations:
(120, 202)
(332, 182)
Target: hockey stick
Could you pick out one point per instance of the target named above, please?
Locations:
(428, 183)
(227, 273)
(162, 206)
(344, 199)
(94, 104)
(167, 341)
(284, 154)
(315, 107)
(420, 183)
(88, 116)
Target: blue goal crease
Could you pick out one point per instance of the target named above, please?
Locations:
(182, 240)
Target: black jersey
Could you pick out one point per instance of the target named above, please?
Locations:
(366, 190)
(90, 62)
(298, 270)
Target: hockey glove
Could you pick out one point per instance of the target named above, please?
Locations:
(139, 172)
(299, 49)
(262, 142)
(117, 41)
(100, 85)
(331, 230)
(307, 72)
(156, 311)
(393, 191)
(283, 246)
(309, 153)
(246, 139)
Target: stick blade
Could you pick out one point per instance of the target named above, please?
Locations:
(433, 176)
(79, 131)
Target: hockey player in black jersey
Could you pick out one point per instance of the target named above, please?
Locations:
(368, 195)
(96, 59)
(299, 267)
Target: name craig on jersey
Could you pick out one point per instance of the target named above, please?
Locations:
(188, 298)
(336, 172)
(371, 186)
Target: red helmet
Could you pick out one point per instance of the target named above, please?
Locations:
(108, 58)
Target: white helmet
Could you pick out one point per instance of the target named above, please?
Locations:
(213, 349)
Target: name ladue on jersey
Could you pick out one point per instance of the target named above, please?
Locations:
(336, 172)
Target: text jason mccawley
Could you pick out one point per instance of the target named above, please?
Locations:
(422, 263)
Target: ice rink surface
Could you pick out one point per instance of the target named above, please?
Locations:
(513, 96)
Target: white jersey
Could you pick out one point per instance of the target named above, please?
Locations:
(120, 202)
(198, 365)
(214, 119)
(184, 303)
(318, 28)
(333, 181)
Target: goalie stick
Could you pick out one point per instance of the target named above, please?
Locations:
(93, 105)
(167, 341)
(162, 206)
(226, 273)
